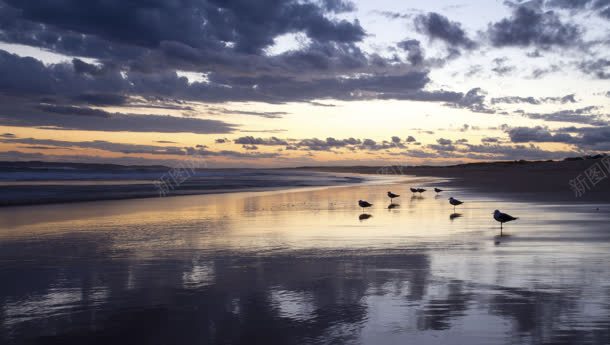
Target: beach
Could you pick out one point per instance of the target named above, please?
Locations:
(33, 183)
(542, 181)
(307, 265)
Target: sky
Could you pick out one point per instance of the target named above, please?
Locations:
(284, 83)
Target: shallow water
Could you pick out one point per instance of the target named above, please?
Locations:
(305, 267)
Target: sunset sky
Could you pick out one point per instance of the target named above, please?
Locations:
(289, 83)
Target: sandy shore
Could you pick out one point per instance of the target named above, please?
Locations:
(305, 267)
(534, 181)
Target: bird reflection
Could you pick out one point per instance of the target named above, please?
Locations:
(454, 216)
(364, 216)
(393, 205)
(416, 197)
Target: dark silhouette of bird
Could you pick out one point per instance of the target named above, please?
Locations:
(503, 218)
(454, 202)
(413, 190)
(420, 190)
(392, 196)
(364, 204)
(438, 190)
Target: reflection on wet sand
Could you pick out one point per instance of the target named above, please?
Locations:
(298, 267)
(393, 206)
(364, 216)
(454, 216)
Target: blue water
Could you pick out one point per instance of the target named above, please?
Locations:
(39, 186)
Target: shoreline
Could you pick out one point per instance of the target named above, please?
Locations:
(545, 181)
(122, 191)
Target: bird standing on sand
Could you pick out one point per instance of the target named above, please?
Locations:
(392, 196)
(420, 190)
(438, 190)
(503, 218)
(413, 190)
(454, 202)
(364, 204)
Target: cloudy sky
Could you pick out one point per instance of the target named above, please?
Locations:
(303, 82)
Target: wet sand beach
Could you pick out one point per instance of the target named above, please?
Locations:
(543, 181)
(306, 266)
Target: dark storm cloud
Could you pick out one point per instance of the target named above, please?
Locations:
(74, 118)
(265, 114)
(315, 144)
(250, 147)
(501, 68)
(250, 140)
(137, 149)
(27, 76)
(591, 137)
(415, 53)
(437, 26)
(571, 98)
(572, 4)
(600, 68)
(584, 138)
(490, 140)
(392, 14)
(139, 45)
(328, 144)
(474, 100)
(102, 99)
(223, 38)
(584, 115)
(33, 82)
(536, 134)
(443, 145)
(250, 25)
(76, 111)
(100, 145)
(338, 6)
(530, 25)
(444, 142)
(601, 7)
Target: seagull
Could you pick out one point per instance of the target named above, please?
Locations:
(438, 190)
(392, 196)
(503, 218)
(454, 202)
(420, 190)
(414, 190)
(364, 204)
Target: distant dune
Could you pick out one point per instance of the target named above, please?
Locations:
(539, 180)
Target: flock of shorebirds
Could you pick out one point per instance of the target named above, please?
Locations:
(498, 216)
